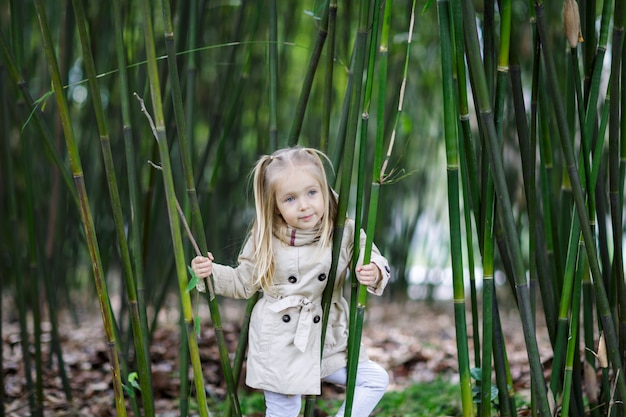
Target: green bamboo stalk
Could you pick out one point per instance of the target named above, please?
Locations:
(622, 130)
(242, 346)
(504, 379)
(135, 224)
(226, 95)
(346, 143)
(140, 339)
(233, 106)
(192, 195)
(618, 198)
(158, 128)
(468, 172)
(587, 140)
(17, 77)
(330, 66)
(359, 292)
(588, 30)
(615, 153)
(564, 310)
(488, 302)
(8, 174)
(195, 207)
(469, 243)
(488, 256)
(307, 83)
(183, 372)
(35, 388)
(35, 273)
(349, 145)
(190, 76)
(85, 212)
(273, 74)
(340, 221)
(572, 343)
(504, 206)
(539, 263)
(568, 278)
(12, 222)
(450, 132)
(464, 118)
(590, 344)
(602, 299)
(550, 206)
(338, 149)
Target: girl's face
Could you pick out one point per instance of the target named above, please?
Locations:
(299, 198)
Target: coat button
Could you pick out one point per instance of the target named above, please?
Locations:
(286, 318)
(316, 319)
(321, 277)
(292, 279)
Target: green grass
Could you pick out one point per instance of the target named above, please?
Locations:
(433, 399)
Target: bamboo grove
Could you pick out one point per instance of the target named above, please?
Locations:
(522, 100)
(568, 142)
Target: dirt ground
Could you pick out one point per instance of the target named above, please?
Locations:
(415, 341)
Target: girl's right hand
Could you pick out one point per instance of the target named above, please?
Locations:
(202, 266)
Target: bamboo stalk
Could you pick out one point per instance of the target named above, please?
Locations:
(504, 379)
(359, 292)
(616, 203)
(488, 255)
(602, 299)
(8, 167)
(13, 247)
(307, 82)
(190, 78)
(233, 106)
(195, 207)
(572, 343)
(85, 212)
(450, 132)
(510, 234)
(330, 66)
(139, 337)
(347, 144)
(226, 96)
(35, 275)
(17, 76)
(158, 128)
(135, 224)
(273, 74)
(538, 247)
(468, 172)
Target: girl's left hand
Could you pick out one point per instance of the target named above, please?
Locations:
(368, 274)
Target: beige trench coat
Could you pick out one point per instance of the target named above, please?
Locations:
(285, 327)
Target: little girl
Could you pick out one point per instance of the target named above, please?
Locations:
(288, 257)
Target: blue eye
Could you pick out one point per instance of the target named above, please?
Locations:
(312, 192)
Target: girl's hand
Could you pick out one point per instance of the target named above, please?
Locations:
(202, 266)
(368, 274)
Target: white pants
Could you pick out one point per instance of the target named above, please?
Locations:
(371, 383)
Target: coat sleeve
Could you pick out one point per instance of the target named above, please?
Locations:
(235, 282)
(376, 258)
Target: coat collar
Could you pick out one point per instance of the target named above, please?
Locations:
(296, 237)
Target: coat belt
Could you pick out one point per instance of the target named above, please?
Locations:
(303, 329)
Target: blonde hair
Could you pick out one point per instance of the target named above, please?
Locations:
(267, 169)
